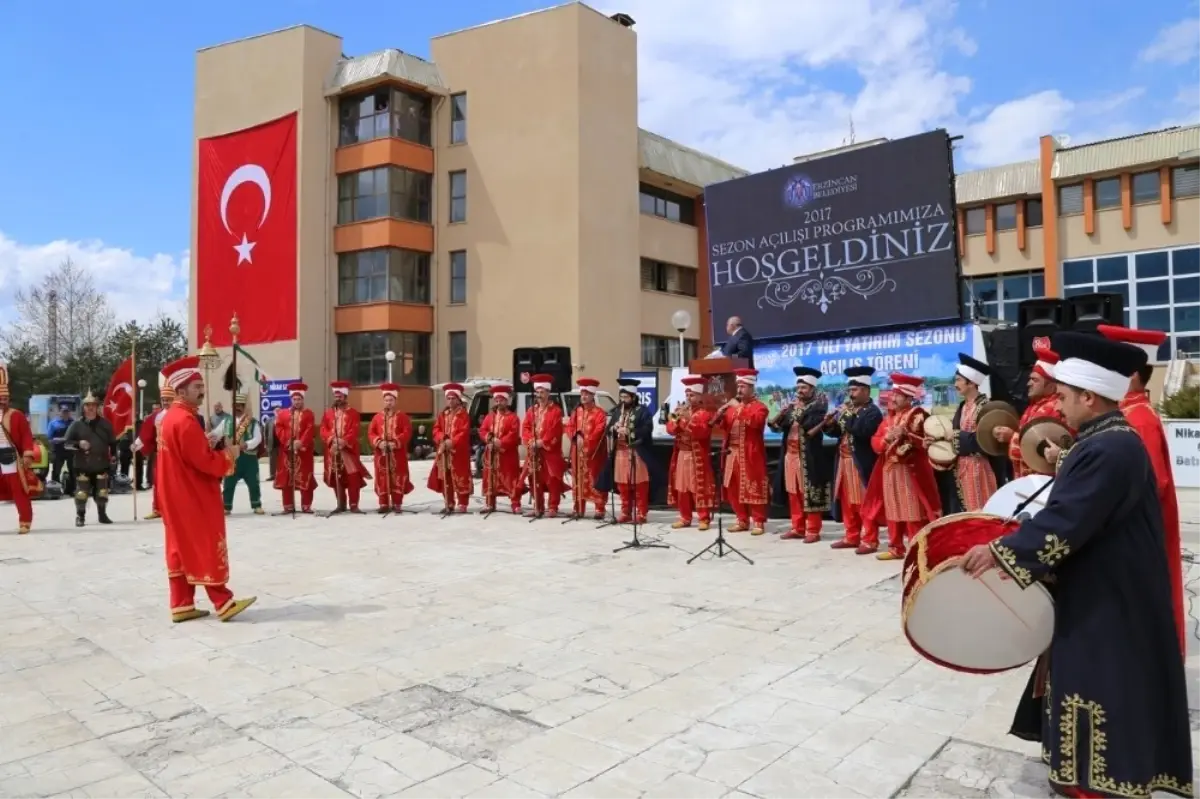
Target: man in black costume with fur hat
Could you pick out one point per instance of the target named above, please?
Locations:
(1108, 701)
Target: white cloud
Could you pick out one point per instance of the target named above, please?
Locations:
(136, 286)
(750, 82)
(1175, 44)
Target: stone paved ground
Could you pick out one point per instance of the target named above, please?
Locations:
(422, 657)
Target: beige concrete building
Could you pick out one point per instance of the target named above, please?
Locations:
(1119, 216)
(447, 220)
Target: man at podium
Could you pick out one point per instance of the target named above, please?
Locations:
(740, 343)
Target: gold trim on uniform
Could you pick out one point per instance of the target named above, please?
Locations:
(1067, 775)
(1007, 559)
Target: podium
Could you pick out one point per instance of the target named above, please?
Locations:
(721, 384)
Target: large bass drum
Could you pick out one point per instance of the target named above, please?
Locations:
(975, 625)
(1023, 491)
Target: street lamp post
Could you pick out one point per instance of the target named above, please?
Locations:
(141, 399)
(681, 320)
(391, 356)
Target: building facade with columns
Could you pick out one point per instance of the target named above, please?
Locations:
(499, 195)
(445, 217)
(1118, 216)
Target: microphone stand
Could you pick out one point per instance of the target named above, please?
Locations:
(335, 460)
(579, 505)
(489, 476)
(631, 484)
(611, 437)
(720, 547)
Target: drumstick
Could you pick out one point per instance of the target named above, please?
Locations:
(1034, 498)
(1005, 604)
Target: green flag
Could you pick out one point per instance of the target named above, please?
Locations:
(260, 376)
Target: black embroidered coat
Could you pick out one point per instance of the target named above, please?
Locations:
(1114, 717)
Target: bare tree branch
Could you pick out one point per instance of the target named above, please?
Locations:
(62, 315)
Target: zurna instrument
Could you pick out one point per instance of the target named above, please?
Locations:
(976, 625)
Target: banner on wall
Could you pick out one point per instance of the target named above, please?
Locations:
(1183, 444)
(930, 352)
(647, 388)
(854, 240)
(246, 234)
(272, 396)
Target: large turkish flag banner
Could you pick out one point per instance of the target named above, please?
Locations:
(246, 237)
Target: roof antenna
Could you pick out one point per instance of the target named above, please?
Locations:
(852, 138)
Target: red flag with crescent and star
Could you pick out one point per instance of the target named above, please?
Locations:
(246, 234)
(119, 398)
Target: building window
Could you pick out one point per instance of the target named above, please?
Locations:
(458, 118)
(1185, 181)
(458, 277)
(1107, 193)
(668, 205)
(1033, 213)
(458, 196)
(1070, 199)
(388, 274)
(362, 358)
(671, 278)
(663, 351)
(1146, 187)
(1006, 216)
(458, 356)
(998, 297)
(1160, 288)
(384, 113)
(385, 191)
(976, 221)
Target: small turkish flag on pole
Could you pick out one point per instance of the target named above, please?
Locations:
(119, 398)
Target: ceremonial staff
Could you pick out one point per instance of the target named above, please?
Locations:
(137, 419)
(234, 329)
(387, 461)
(447, 476)
(293, 458)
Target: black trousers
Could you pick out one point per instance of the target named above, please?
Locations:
(124, 459)
(58, 460)
(94, 485)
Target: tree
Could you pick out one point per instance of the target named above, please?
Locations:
(28, 374)
(62, 315)
(161, 342)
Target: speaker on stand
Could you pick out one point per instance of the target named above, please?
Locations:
(556, 362)
(1037, 320)
(1086, 312)
(527, 361)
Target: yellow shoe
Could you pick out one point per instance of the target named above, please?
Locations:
(757, 531)
(737, 527)
(259, 511)
(153, 515)
(187, 615)
(888, 555)
(23, 529)
(236, 607)
(703, 526)
(680, 525)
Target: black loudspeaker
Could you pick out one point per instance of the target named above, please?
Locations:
(556, 362)
(1037, 319)
(527, 361)
(1087, 311)
(1008, 382)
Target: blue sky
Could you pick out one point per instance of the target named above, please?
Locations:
(96, 157)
